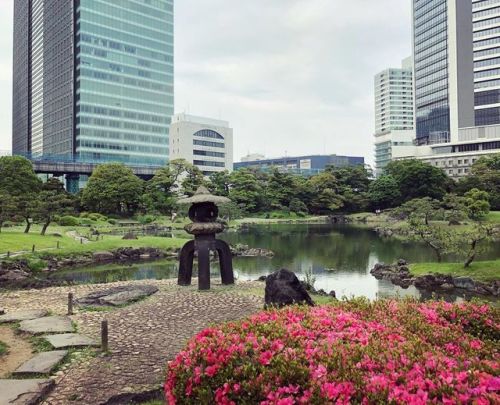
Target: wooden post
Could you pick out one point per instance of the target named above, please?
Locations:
(70, 303)
(104, 336)
(57, 244)
(33, 248)
(81, 241)
(8, 254)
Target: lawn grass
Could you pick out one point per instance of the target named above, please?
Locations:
(15, 240)
(481, 271)
(493, 217)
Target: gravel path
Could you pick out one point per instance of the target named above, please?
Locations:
(142, 336)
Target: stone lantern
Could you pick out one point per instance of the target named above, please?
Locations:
(203, 212)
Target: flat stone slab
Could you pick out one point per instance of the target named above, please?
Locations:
(117, 296)
(23, 392)
(42, 363)
(48, 324)
(70, 340)
(17, 316)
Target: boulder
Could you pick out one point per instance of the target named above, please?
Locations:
(103, 256)
(284, 288)
(465, 283)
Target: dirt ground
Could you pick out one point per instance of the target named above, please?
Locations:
(19, 351)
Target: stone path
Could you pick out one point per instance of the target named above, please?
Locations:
(143, 336)
(22, 392)
(42, 363)
(48, 324)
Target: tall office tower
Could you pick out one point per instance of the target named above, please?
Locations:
(93, 79)
(456, 46)
(443, 69)
(486, 20)
(394, 132)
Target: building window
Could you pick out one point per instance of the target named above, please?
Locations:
(208, 133)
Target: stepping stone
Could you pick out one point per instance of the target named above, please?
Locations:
(22, 392)
(49, 324)
(2, 311)
(70, 340)
(42, 363)
(17, 316)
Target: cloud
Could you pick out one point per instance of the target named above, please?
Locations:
(289, 75)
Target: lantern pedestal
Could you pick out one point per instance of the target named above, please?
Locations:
(203, 213)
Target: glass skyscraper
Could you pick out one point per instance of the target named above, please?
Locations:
(443, 69)
(93, 79)
(486, 19)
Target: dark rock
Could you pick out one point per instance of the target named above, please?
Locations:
(246, 251)
(332, 294)
(402, 262)
(465, 283)
(117, 296)
(262, 278)
(100, 257)
(284, 288)
(129, 236)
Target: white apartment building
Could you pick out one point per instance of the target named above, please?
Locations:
(394, 132)
(456, 52)
(205, 142)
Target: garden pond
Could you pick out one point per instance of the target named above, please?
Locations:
(340, 258)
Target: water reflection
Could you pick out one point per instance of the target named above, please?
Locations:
(340, 257)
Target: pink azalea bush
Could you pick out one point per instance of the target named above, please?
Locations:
(382, 352)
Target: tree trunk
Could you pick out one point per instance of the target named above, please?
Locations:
(44, 227)
(472, 254)
(28, 226)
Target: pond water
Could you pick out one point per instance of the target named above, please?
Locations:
(339, 256)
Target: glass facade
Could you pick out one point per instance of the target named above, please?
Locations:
(431, 71)
(93, 79)
(124, 87)
(394, 100)
(486, 26)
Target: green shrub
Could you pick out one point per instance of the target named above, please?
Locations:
(97, 217)
(146, 219)
(86, 221)
(69, 220)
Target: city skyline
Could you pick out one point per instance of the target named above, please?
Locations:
(258, 85)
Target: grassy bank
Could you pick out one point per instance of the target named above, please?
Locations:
(481, 271)
(287, 220)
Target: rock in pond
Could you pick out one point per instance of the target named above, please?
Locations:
(284, 288)
(117, 296)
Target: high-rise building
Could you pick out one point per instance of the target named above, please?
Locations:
(456, 46)
(486, 27)
(394, 132)
(204, 142)
(93, 79)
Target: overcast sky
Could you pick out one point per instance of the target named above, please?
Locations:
(291, 76)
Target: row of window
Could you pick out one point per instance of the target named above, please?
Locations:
(126, 48)
(143, 84)
(110, 134)
(208, 153)
(131, 115)
(208, 163)
(208, 143)
(488, 116)
(157, 150)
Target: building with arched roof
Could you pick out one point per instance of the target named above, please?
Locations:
(205, 142)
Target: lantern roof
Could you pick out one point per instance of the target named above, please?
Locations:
(202, 195)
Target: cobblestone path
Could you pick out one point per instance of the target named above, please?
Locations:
(142, 336)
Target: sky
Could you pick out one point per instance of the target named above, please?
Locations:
(292, 77)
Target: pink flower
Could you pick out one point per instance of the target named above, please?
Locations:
(265, 357)
(211, 370)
